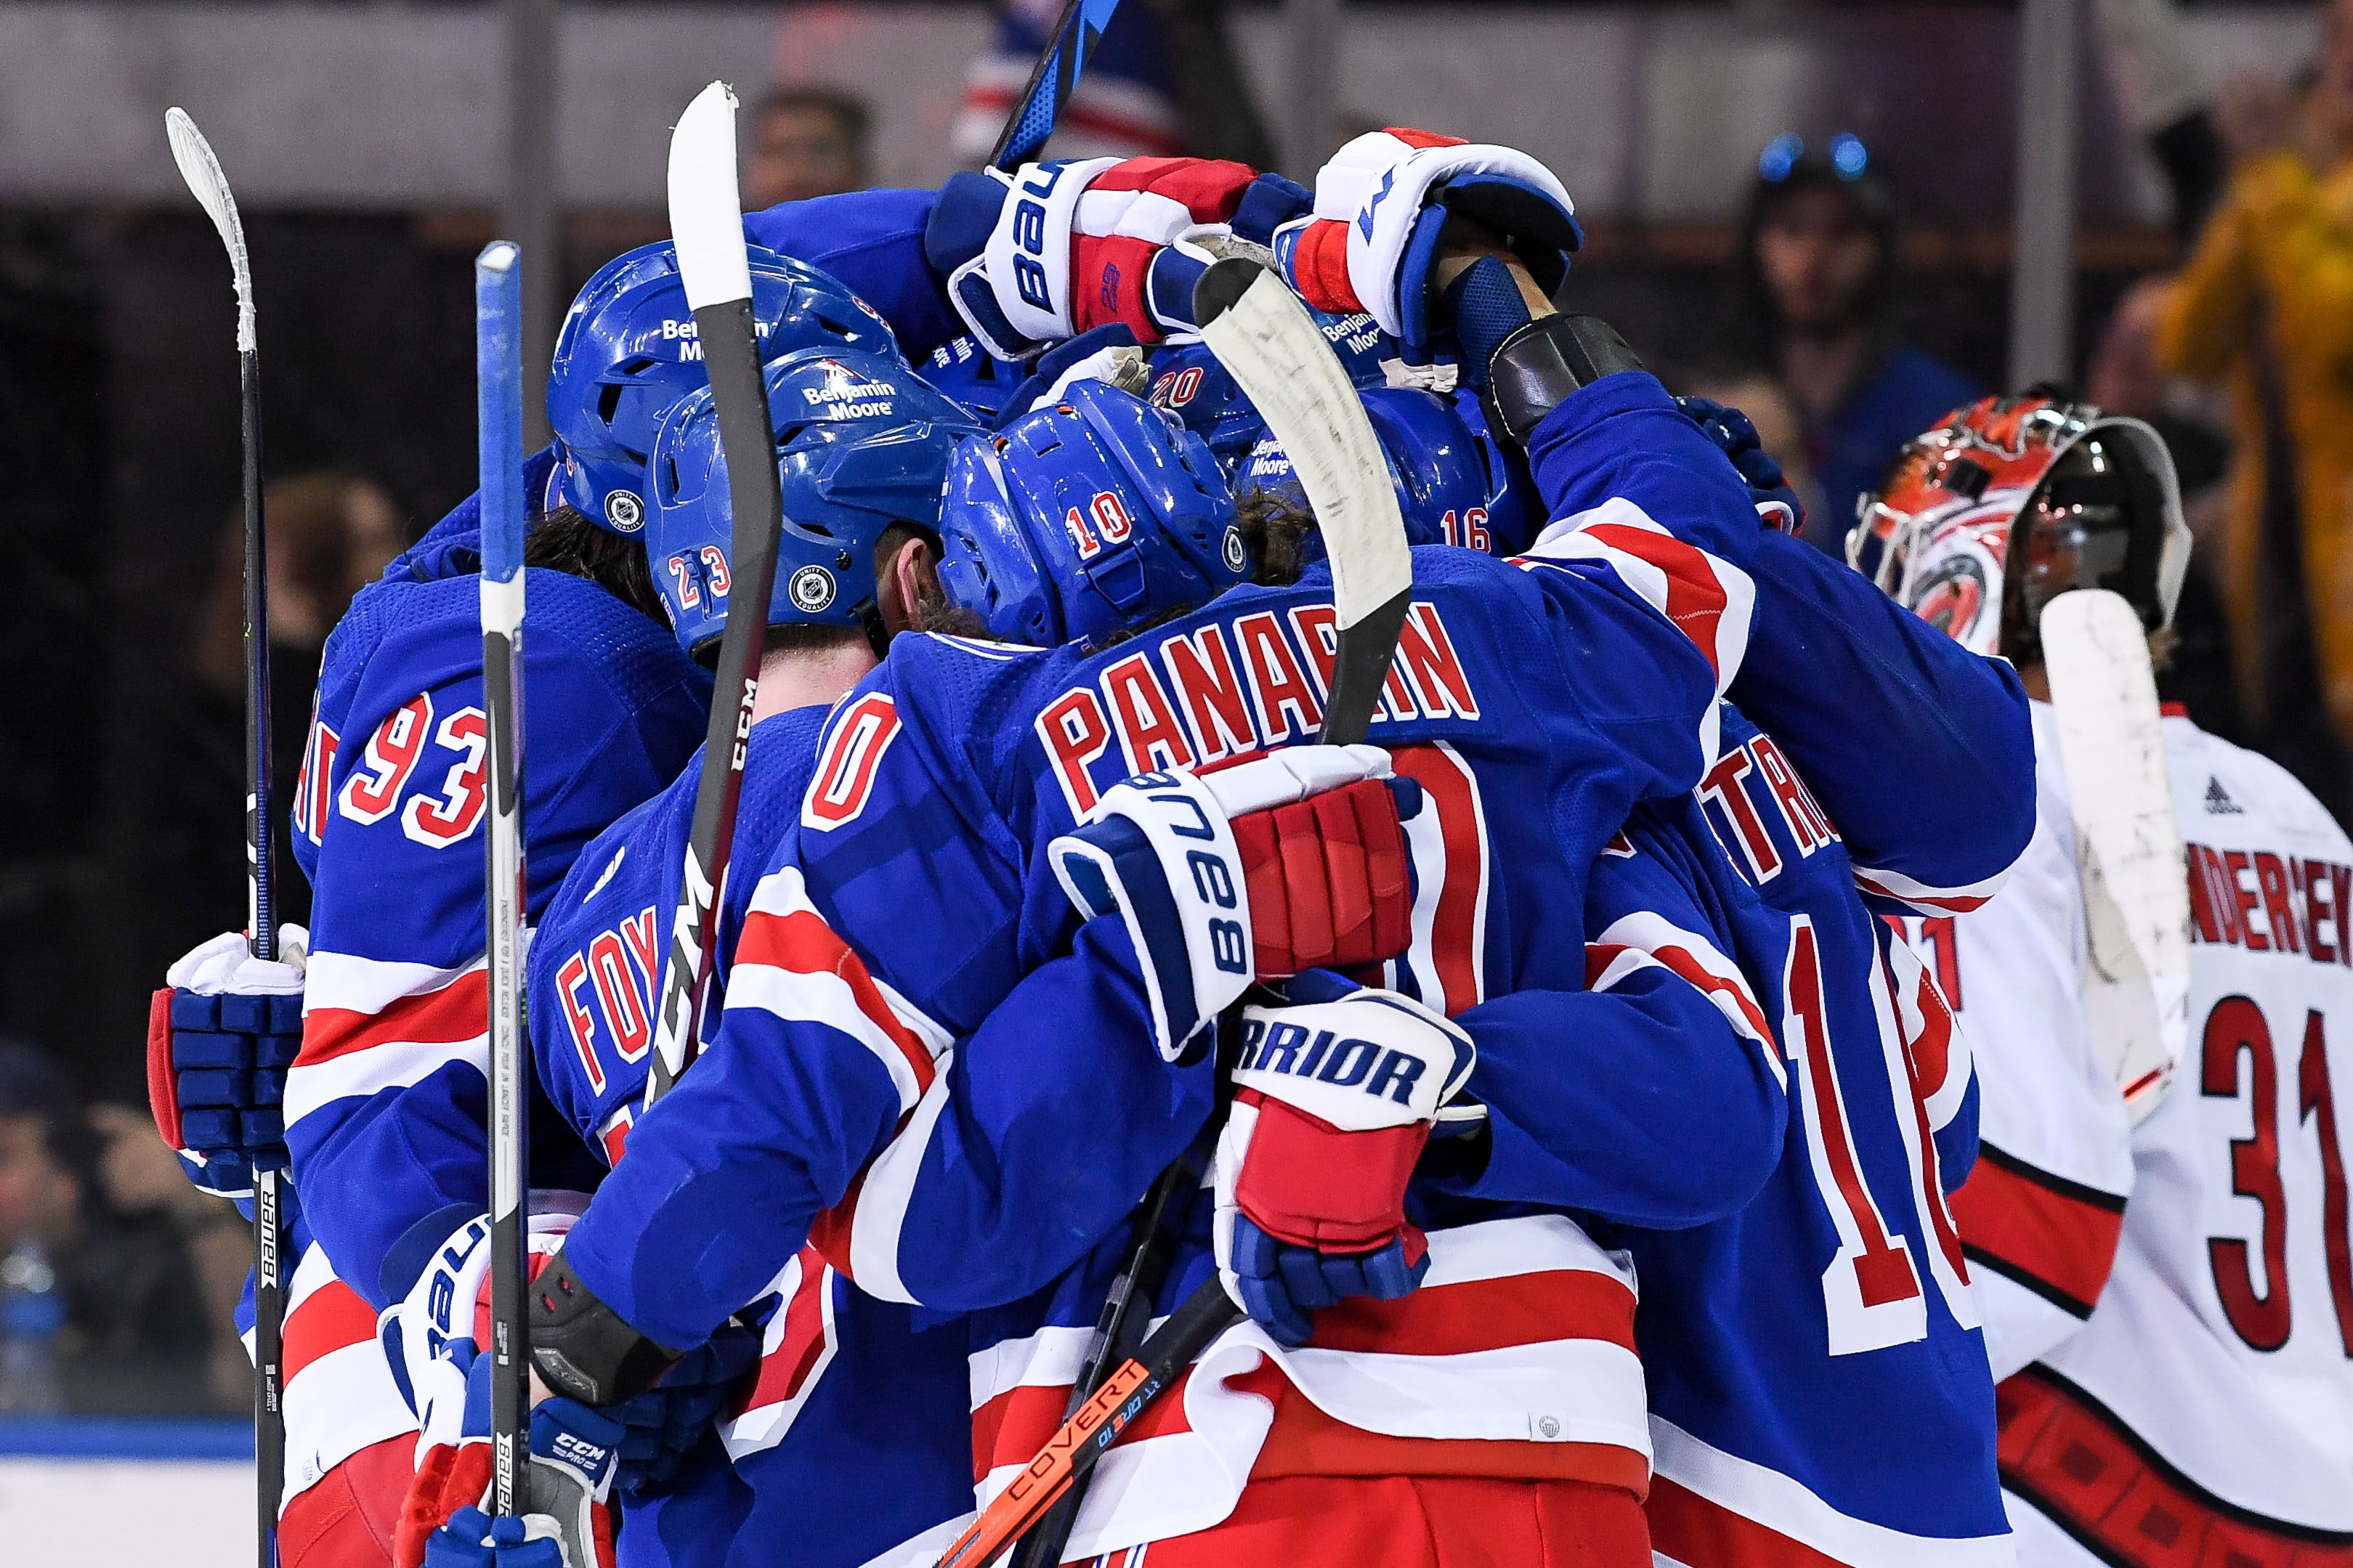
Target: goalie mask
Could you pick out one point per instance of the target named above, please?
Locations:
(2012, 502)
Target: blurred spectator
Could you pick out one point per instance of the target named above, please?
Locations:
(1163, 81)
(808, 142)
(100, 1309)
(2266, 302)
(1778, 429)
(331, 534)
(2164, 98)
(1821, 308)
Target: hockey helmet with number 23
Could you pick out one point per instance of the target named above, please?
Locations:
(628, 353)
(860, 442)
(1085, 518)
(2012, 501)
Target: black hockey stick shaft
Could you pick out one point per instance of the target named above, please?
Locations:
(270, 1239)
(1051, 81)
(1151, 1245)
(707, 226)
(1071, 1453)
(729, 355)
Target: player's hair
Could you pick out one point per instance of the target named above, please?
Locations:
(564, 540)
(849, 110)
(1275, 526)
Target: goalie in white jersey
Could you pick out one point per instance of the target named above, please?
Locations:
(2164, 1263)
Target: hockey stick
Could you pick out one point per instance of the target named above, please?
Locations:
(1067, 49)
(706, 221)
(1265, 338)
(209, 185)
(2136, 1002)
(498, 384)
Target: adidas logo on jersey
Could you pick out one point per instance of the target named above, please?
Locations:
(2219, 801)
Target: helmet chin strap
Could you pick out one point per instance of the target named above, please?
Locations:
(878, 635)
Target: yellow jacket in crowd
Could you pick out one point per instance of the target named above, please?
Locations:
(2276, 258)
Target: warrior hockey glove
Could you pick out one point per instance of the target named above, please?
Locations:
(1778, 506)
(1055, 249)
(220, 1037)
(1335, 1095)
(1159, 851)
(1380, 206)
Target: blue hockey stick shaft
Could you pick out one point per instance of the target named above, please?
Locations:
(1040, 110)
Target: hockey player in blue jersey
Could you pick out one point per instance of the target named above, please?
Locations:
(1251, 681)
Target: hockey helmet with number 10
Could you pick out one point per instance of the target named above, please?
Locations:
(860, 442)
(629, 351)
(2012, 501)
(1085, 518)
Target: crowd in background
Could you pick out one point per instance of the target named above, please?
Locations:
(118, 1282)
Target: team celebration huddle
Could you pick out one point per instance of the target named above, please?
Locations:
(1128, 862)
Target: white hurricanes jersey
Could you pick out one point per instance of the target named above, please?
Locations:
(2170, 1307)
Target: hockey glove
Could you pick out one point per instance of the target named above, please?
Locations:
(1055, 249)
(1159, 851)
(564, 1519)
(220, 1038)
(1335, 1095)
(1329, 878)
(1778, 506)
(1380, 204)
(663, 1424)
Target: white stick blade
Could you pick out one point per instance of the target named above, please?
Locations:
(706, 213)
(1272, 347)
(201, 169)
(2128, 843)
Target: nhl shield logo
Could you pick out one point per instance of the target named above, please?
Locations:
(624, 511)
(811, 589)
(1236, 557)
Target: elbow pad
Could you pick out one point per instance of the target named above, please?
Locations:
(584, 1348)
(1538, 366)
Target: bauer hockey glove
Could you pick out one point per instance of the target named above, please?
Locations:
(220, 1038)
(1055, 249)
(1330, 878)
(1381, 204)
(1735, 435)
(1160, 850)
(1335, 1095)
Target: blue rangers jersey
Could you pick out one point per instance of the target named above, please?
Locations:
(386, 1105)
(907, 900)
(1812, 1359)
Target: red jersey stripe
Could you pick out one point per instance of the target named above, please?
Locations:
(329, 1319)
(2055, 1236)
(1483, 1315)
(451, 1016)
(801, 942)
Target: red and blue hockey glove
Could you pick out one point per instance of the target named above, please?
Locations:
(1380, 204)
(1160, 851)
(1778, 506)
(1329, 878)
(220, 1038)
(1335, 1095)
(1055, 249)
(565, 1521)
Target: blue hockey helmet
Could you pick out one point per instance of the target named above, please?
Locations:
(1085, 518)
(1440, 474)
(629, 351)
(1189, 382)
(861, 443)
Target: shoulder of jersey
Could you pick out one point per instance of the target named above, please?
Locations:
(398, 626)
(2217, 780)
